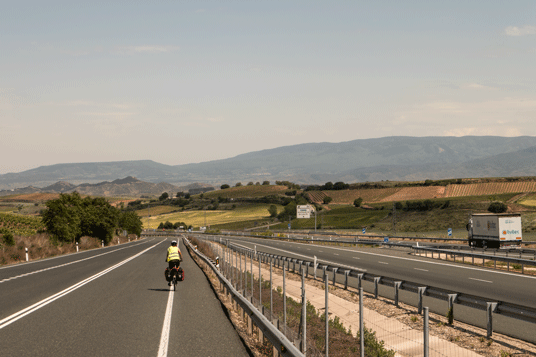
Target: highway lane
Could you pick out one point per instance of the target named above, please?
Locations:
(493, 284)
(490, 284)
(121, 312)
(22, 285)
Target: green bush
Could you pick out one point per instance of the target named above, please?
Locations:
(8, 238)
(497, 207)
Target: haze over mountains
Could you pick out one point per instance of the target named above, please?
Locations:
(390, 158)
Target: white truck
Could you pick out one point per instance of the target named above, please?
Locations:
(494, 230)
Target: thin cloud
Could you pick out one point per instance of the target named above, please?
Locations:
(479, 86)
(215, 120)
(520, 31)
(146, 49)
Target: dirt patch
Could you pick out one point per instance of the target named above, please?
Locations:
(33, 197)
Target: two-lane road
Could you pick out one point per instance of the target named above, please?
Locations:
(112, 302)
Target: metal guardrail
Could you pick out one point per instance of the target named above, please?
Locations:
(276, 337)
(484, 257)
(341, 274)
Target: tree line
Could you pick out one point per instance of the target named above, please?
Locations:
(71, 217)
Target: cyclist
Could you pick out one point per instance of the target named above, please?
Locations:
(174, 257)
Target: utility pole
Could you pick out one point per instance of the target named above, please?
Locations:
(394, 217)
(289, 223)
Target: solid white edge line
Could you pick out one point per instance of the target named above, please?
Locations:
(24, 312)
(164, 338)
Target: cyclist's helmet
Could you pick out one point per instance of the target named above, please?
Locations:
(173, 242)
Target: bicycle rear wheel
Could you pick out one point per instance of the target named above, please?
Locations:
(174, 282)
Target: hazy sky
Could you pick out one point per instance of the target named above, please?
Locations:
(190, 81)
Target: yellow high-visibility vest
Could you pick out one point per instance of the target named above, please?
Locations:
(173, 253)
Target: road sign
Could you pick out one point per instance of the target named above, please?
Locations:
(449, 231)
(364, 230)
(304, 211)
(386, 239)
(289, 226)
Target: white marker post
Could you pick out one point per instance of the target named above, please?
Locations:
(27, 258)
(77, 247)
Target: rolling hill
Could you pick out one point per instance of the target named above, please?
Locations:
(390, 158)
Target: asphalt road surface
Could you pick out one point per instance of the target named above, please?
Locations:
(491, 284)
(112, 302)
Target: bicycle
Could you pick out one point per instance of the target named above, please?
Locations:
(174, 279)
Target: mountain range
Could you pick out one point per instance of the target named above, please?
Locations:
(390, 158)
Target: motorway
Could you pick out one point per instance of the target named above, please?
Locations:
(395, 263)
(112, 301)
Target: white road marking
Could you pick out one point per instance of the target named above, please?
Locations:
(356, 258)
(164, 338)
(383, 263)
(420, 269)
(305, 256)
(18, 315)
(517, 275)
(335, 254)
(63, 265)
(485, 281)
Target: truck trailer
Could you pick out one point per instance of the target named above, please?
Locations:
(494, 230)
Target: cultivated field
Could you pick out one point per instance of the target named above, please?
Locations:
(253, 191)
(31, 197)
(426, 192)
(211, 217)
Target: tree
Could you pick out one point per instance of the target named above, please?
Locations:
(327, 200)
(238, 184)
(164, 196)
(341, 186)
(288, 211)
(70, 217)
(62, 217)
(266, 183)
(250, 183)
(224, 186)
(131, 222)
(358, 201)
(497, 207)
(328, 186)
(98, 218)
(272, 210)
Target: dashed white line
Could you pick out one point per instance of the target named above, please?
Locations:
(335, 254)
(356, 258)
(420, 269)
(484, 281)
(384, 263)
